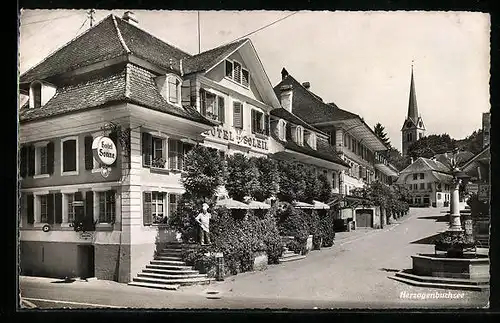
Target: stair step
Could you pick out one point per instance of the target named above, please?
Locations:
(289, 253)
(174, 258)
(293, 258)
(169, 254)
(155, 285)
(172, 250)
(168, 262)
(170, 271)
(181, 282)
(173, 246)
(443, 280)
(167, 276)
(171, 267)
(439, 285)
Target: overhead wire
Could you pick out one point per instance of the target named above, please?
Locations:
(44, 20)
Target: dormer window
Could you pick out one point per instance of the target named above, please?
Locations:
(282, 130)
(174, 89)
(237, 73)
(311, 140)
(40, 93)
(299, 135)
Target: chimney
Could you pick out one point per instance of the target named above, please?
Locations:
(411, 160)
(130, 17)
(284, 73)
(286, 97)
(307, 85)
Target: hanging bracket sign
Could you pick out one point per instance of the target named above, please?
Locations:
(104, 150)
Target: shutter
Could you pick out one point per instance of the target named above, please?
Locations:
(222, 110)
(172, 154)
(180, 155)
(246, 79)
(229, 69)
(254, 122)
(147, 216)
(146, 149)
(31, 161)
(50, 209)
(89, 158)
(58, 207)
(114, 137)
(203, 102)
(50, 158)
(266, 124)
(24, 161)
(30, 210)
(238, 115)
(89, 205)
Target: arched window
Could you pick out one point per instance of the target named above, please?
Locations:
(282, 129)
(299, 135)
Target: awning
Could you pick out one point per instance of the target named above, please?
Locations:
(386, 170)
(258, 205)
(348, 201)
(232, 204)
(320, 205)
(303, 205)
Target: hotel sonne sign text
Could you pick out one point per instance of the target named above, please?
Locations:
(240, 139)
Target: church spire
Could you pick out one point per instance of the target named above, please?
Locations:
(412, 104)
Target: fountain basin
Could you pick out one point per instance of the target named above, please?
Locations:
(471, 266)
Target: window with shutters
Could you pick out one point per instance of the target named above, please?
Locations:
(157, 207)
(44, 208)
(177, 151)
(258, 122)
(174, 89)
(212, 106)
(299, 135)
(237, 73)
(69, 156)
(173, 201)
(41, 159)
(238, 114)
(153, 151)
(107, 206)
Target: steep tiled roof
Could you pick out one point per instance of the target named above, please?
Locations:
(128, 84)
(209, 58)
(110, 38)
(288, 116)
(309, 106)
(424, 164)
(323, 152)
(462, 157)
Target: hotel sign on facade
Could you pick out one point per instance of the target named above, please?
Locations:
(237, 137)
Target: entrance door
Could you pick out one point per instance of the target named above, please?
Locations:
(364, 218)
(86, 261)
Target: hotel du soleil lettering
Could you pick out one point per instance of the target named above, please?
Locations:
(240, 139)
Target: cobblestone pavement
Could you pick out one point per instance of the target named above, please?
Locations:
(354, 270)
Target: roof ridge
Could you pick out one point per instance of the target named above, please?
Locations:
(120, 37)
(63, 46)
(150, 34)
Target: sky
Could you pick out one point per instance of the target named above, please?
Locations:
(359, 60)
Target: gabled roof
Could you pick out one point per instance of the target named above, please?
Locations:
(206, 60)
(284, 114)
(128, 83)
(424, 164)
(485, 153)
(462, 157)
(110, 38)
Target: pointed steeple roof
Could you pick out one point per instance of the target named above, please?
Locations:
(412, 104)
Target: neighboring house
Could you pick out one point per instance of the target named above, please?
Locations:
(169, 101)
(305, 144)
(353, 140)
(461, 157)
(428, 181)
(413, 128)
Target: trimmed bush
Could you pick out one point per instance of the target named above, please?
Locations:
(293, 222)
(268, 178)
(326, 218)
(242, 177)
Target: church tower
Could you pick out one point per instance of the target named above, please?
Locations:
(413, 127)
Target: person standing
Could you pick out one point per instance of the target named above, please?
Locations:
(203, 220)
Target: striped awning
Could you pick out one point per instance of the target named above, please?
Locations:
(303, 205)
(258, 205)
(320, 205)
(232, 204)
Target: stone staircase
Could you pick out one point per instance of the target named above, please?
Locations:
(289, 255)
(168, 271)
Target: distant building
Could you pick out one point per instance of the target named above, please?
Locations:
(428, 181)
(413, 128)
(486, 128)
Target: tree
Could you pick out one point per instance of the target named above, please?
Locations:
(325, 188)
(242, 177)
(381, 134)
(268, 178)
(312, 185)
(431, 145)
(395, 158)
(292, 183)
(204, 172)
(473, 142)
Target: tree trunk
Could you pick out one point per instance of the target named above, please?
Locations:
(390, 218)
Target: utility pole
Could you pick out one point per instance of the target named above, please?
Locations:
(199, 36)
(91, 16)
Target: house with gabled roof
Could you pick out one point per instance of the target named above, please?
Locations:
(348, 135)
(154, 101)
(429, 182)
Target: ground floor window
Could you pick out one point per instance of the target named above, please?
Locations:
(107, 206)
(173, 200)
(157, 206)
(70, 198)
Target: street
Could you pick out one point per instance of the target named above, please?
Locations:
(351, 274)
